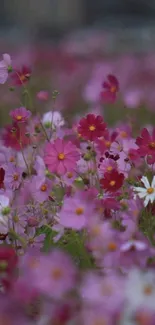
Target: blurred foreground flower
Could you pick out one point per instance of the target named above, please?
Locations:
(5, 67)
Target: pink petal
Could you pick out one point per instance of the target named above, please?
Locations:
(7, 59)
(61, 169)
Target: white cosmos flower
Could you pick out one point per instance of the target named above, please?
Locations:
(140, 290)
(147, 192)
(54, 118)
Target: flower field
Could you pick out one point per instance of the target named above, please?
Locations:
(77, 188)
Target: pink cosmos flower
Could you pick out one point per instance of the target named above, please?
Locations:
(12, 134)
(5, 64)
(43, 95)
(20, 115)
(54, 275)
(21, 76)
(96, 315)
(104, 143)
(146, 144)
(96, 289)
(107, 165)
(41, 188)
(61, 156)
(75, 212)
(13, 176)
(110, 89)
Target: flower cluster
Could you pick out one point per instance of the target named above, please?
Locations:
(77, 207)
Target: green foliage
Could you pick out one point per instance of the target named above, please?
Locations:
(73, 243)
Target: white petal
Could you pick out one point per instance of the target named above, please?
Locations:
(142, 195)
(140, 245)
(153, 182)
(145, 181)
(3, 75)
(139, 189)
(126, 246)
(4, 201)
(7, 59)
(146, 201)
(152, 197)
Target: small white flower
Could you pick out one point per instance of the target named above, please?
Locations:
(140, 290)
(54, 118)
(147, 192)
(4, 209)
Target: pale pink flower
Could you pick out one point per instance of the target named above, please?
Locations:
(5, 64)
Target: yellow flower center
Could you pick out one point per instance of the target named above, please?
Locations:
(108, 144)
(79, 211)
(61, 156)
(43, 188)
(109, 168)
(100, 321)
(15, 177)
(112, 183)
(150, 190)
(22, 77)
(112, 246)
(57, 273)
(92, 128)
(69, 175)
(3, 265)
(95, 230)
(148, 290)
(123, 134)
(113, 89)
(19, 117)
(152, 145)
(12, 159)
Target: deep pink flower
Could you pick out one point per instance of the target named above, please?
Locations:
(21, 76)
(61, 156)
(113, 181)
(12, 134)
(20, 115)
(91, 127)
(110, 89)
(146, 143)
(43, 95)
(104, 143)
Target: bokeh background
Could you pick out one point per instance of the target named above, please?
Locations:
(71, 46)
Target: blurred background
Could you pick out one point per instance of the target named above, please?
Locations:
(71, 46)
(129, 22)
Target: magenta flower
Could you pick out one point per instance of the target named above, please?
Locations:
(110, 89)
(43, 95)
(20, 115)
(75, 212)
(54, 275)
(61, 157)
(5, 65)
(13, 177)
